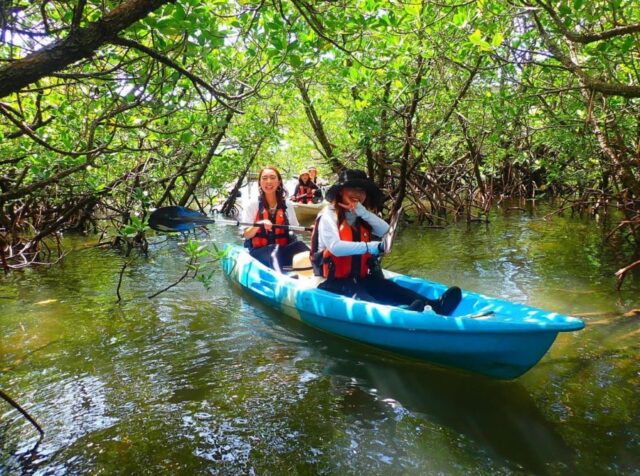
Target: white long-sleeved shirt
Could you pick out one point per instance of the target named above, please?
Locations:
(329, 235)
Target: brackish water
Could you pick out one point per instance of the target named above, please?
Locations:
(200, 381)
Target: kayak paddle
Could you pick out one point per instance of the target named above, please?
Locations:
(387, 240)
(175, 218)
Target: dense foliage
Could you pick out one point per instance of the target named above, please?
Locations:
(109, 108)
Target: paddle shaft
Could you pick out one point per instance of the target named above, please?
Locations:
(206, 220)
(391, 233)
(240, 223)
(177, 218)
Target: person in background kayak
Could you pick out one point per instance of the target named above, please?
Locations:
(343, 251)
(313, 175)
(266, 242)
(305, 190)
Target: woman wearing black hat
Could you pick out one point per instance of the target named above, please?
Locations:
(344, 253)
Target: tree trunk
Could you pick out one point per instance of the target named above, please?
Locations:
(318, 128)
(231, 200)
(381, 154)
(408, 139)
(207, 159)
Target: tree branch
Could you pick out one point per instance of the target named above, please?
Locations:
(451, 109)
(173, 65)
(605, 88)
(31, 127)
(588, 37)
(79, 44)
(24, 128)
(24, 413)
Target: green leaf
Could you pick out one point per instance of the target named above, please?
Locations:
(129, 231)
(179, 14)
(168, 25)
(459, 18)
(564, 10)
(413, 9)
(371, 5)
(160, 41)
(278, 43)
(627, 44)
(476, 39)
(186, 137)
(295, 61)
(497, 39)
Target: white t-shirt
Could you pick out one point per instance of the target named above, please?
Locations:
(250, 211)
(329, 235)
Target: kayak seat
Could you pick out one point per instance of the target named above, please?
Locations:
(302, 271)
(301, 264)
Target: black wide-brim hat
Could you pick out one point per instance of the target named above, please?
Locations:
(356, 179)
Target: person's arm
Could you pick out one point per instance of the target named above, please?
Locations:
(329, 237)
(248, 216)
(378, 226)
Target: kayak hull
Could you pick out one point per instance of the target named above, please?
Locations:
(484, 335)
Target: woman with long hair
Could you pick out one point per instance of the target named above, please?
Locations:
(272, 245)
(343, 250)
(313, 174)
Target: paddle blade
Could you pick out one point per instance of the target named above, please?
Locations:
(176, 218)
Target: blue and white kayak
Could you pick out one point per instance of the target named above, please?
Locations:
(485, 335)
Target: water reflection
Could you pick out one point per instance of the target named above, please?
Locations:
(81, 406)
(500, 418)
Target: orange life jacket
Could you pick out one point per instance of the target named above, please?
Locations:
(305, 194)
(356, 266)
(278, 235)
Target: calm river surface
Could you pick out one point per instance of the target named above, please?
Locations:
(200, 381)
